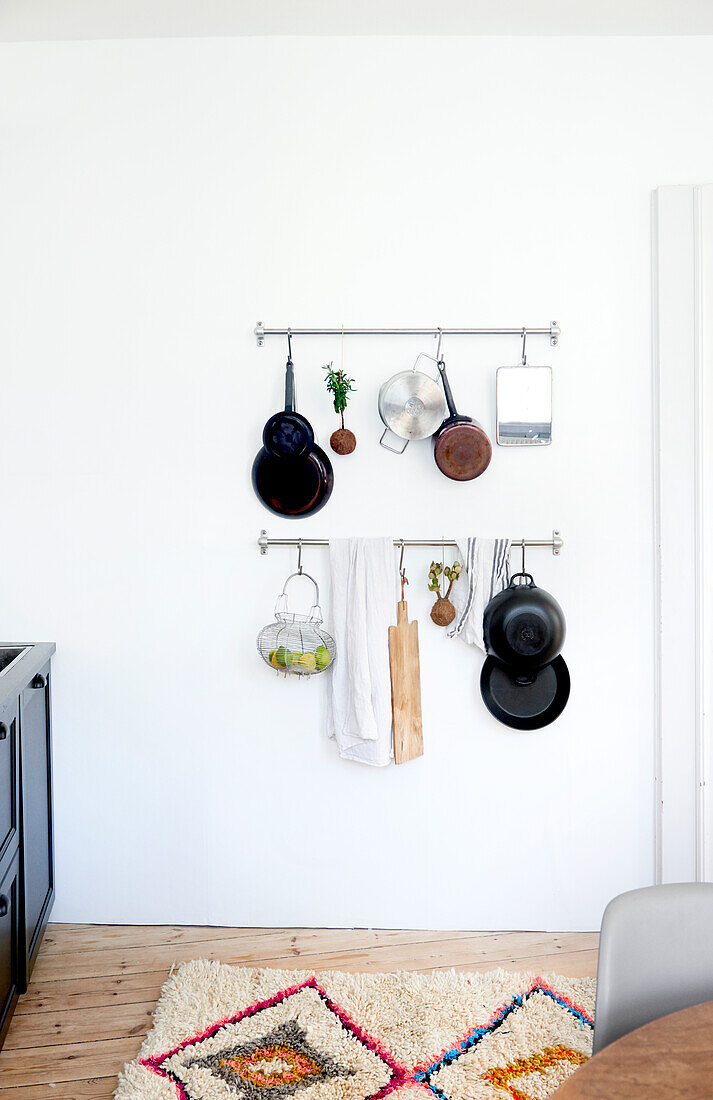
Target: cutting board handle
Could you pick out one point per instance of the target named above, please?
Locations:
(402, 617)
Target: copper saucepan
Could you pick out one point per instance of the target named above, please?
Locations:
(461, 446)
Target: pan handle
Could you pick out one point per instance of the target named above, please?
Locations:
(447, 389)
(289, 387)
(388, 434)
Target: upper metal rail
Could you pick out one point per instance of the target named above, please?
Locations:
(552, 330)
(555, 544)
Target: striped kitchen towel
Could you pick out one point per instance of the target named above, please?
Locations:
(486, 571)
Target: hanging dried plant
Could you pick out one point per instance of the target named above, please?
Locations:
(443, 612)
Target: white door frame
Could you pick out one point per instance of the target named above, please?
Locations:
(683, 482)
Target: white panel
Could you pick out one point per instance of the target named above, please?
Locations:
(684, 449)
(705, 663)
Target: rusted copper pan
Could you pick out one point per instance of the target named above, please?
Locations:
(461, 446)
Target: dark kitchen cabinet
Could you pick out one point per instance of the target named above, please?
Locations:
(36, 788)
(12, 961)
(26, 837)
(9, 802)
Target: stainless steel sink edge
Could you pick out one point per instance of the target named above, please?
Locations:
(18, 651)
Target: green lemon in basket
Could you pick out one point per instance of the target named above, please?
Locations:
(292, 657)
(322, 657)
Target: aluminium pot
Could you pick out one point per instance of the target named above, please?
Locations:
(523, 626)
(411, 405)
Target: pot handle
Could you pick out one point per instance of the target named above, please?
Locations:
(388, 434)
(289, 386)
(446, 386)
(516, 575)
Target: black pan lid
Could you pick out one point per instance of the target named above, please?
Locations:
(525, 700)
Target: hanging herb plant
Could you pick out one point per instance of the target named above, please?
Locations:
(340, 386)
(443, 612)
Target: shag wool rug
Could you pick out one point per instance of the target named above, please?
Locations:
(226, 1032)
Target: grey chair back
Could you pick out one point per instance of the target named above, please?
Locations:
(655, 957)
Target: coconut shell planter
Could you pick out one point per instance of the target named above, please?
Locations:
(443, 612)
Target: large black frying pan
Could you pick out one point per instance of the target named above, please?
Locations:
(523, 625)
(525, 700)
(461, 446)
(291, 475)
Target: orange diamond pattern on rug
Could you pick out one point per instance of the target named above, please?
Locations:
(550, 1059)
(275, 1065)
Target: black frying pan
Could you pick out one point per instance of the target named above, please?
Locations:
(525, 700)
(293, 487)
(461, 446)
(287, 434)
(291, 475)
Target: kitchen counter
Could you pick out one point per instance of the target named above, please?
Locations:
(15, 677)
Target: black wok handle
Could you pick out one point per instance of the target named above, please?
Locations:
(449, 396)
(289, 387)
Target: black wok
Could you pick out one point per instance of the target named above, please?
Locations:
(523, 625)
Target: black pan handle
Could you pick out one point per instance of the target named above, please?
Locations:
(446, 386)
(289, 387)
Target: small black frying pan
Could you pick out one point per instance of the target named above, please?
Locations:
(287, 434)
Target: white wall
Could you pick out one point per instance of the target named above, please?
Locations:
(157, 199)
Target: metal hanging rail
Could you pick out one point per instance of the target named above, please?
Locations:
(555, 544)
(552, 330)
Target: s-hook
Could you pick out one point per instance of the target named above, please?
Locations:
(289, 345)
(524, 357)
(402, 571)
(299, 557)
(438, 346)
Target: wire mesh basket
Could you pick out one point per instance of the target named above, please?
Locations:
(296, 645)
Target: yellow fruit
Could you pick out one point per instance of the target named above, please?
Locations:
(306, 661)
(281, 656)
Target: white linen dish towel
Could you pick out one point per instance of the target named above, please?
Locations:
(363, 607)
(486, 572)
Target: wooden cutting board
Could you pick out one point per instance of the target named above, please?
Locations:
(405, 687)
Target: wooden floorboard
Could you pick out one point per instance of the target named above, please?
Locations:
(94, 987)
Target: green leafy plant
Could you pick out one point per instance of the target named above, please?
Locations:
(340, 386)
